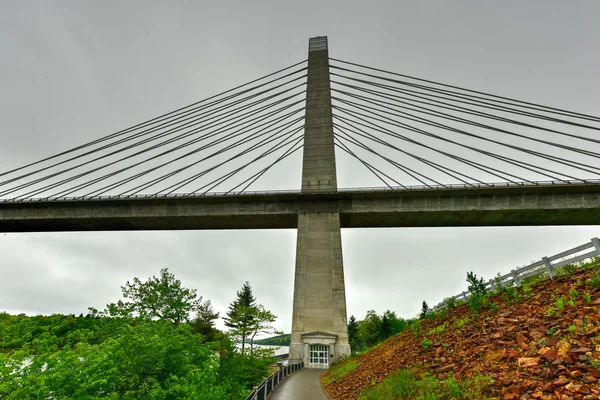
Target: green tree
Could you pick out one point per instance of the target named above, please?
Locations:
(241, 314)
(204, 322)
(369, 329)
(261, 323)
(476, 286)
(353, 333)
(160, 297)
(425, 310)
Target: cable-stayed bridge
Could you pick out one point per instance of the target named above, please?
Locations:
(444, 155)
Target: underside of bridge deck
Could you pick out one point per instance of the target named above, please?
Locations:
(508, 206)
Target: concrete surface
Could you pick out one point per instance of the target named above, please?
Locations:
(319, 307)
(302, 385)
(574, 204)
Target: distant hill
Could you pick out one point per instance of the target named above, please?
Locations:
(279, 340)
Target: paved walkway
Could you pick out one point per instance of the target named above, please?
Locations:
(302, 385)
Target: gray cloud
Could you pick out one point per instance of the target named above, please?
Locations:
(73, 71)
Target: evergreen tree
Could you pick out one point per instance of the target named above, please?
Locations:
(204, 322)
(353, 333)
(241, 314)
(425, 310)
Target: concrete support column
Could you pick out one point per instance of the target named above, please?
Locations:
(319, 293)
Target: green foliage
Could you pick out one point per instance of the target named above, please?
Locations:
(476, 303)
(573, 294)
(338, 371)
(369, 329)
(425, 310)
(552, 331)
(587, 298)
(426, 343)
(415, 327)
(407, 384)
(560, 303)
(476, 286)
(572, 328)
(450, 303)
(353, 333)
(527, 289)
(565, 270)
(438, 329)
(595, 280)
(150, 360)
(511, 295)
(281, 340)
(240, 317)
(160, 297)
(461, 322)
(478, 292)
(204, 322)
(134, 354)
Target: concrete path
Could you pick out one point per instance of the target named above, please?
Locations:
(302, 385)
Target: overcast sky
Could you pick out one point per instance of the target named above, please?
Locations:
(73, 71)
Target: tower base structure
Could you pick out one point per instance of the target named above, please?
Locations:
(319, 329)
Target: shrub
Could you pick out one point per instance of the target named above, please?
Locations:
(511, 295)
(476, 303)
(560, 303)
(476, 286)
(450, 302)
(587, 298)
(437, 330)
(573, 294)
(415, 327)
(461, 322)
(595, 280)
(426, 343)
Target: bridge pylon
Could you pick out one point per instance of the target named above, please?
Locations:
(319, 329)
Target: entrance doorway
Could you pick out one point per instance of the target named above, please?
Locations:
(319, 355)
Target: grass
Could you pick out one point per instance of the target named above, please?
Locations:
(338, 371)
(409, 384)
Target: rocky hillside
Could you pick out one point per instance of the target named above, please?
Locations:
(540, 342)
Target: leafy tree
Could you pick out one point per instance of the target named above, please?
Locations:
(353, 333)
(241, 314)
(160, 297)
(425, 310)
(369, 329)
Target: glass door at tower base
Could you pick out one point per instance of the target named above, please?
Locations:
(319, 355)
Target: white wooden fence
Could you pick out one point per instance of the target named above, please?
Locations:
(546, 264)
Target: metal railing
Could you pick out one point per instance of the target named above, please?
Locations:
(545, 265)
(262, 391)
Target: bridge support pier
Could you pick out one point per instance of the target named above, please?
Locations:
(319, 330)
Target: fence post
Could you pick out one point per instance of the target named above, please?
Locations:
(549, 267)
(516, 278)
(464, 296)
(596, 243)
(492, 285)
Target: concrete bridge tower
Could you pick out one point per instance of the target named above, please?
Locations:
(319, 330)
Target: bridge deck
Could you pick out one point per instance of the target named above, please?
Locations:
(576, 204)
